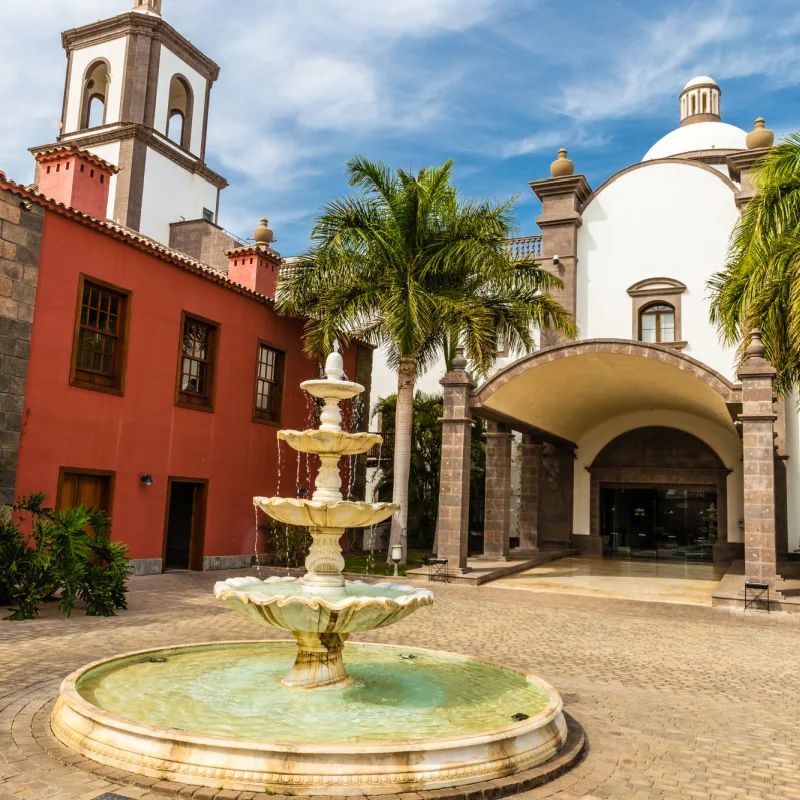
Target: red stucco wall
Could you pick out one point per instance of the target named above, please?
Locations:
(143, 431)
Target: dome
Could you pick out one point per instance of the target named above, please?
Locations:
(699, 136)
(700, 80)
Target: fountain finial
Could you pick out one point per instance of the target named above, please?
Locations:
(334, 365)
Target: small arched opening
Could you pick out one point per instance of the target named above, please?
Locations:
(179, 113)
(95, 95)
(657, 323)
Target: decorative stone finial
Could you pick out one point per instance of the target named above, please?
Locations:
(262, 234)
(756, 347)
(562, 166)
(334, 365)
(759, 136)
(459, 362)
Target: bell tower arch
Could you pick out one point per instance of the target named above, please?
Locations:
(137, 95)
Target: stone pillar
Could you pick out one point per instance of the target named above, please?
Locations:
(453, 522)
(758, 439)
(562, 199)
(740, 166)
(497, 513)
(530, 472)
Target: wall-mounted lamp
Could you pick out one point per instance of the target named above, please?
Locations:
(147, 480)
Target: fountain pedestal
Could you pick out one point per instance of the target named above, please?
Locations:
(319, 663)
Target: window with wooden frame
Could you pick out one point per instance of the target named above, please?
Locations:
(199, 344)
(101, 336)
(657, 323)
(270, 366)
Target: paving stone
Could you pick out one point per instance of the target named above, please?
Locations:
(676, 702)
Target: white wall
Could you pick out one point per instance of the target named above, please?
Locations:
(793, 470)
(660, 220)
(170, 66)
(384, 379)
(725, 443)
(113, 52)
(171, 192)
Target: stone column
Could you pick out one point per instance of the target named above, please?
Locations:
(740, 166)
(758, 439)
(497, 513)
(562, 198)
(530, 471)
(453, 522)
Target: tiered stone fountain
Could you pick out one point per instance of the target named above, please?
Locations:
(371, 719)
(322, 609)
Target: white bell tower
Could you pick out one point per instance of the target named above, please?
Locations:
(137, 95)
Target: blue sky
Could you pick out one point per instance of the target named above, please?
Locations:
(498, 85)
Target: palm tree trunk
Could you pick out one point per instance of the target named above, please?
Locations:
(403, 422)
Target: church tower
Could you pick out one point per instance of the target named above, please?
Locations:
(137, 95)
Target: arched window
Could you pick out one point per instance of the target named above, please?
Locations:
(179, 113)
(657, 323)
(95, 95)
(175, 126)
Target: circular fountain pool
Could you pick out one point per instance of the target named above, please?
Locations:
(218, 715)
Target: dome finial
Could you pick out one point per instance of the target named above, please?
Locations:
(760, 136)
(262, 234)
(562, 166)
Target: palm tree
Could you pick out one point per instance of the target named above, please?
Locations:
(759, 286)
(408, 265)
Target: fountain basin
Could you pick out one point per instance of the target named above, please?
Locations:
(322, 442)
(216, 715)
(280, 603)
(325, 513)
(332, 389)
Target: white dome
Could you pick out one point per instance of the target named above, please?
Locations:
(700, 80)
(698, 136)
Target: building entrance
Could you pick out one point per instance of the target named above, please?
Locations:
(185, 524)
(659, 522)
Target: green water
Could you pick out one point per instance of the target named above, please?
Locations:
(233, 690)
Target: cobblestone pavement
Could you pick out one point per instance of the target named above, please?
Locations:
(676, 701)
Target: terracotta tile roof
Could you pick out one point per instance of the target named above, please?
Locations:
(253, 250)
(57, 151)
(133, 238)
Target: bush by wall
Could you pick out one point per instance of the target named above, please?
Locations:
(68, 552)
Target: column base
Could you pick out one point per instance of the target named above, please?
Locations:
(319, 663)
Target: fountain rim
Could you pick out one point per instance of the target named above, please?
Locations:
(69, 695)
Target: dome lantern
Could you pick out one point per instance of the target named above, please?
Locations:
(700, 101)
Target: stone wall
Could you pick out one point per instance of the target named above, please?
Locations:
(20, 245)
(202, 240)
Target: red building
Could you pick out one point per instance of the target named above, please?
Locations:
(147, 379)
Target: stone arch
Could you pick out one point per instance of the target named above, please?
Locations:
(181, 104)
(96, 81)
(659, 455)
(721, 385)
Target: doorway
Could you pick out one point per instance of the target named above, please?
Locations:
(659, 522)
(185, 524)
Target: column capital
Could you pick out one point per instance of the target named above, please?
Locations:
(576, 185)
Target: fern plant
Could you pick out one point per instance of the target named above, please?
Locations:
(69, 552)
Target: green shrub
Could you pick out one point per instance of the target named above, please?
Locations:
(68, 552)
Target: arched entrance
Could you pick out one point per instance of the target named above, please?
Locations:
(658, 492)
